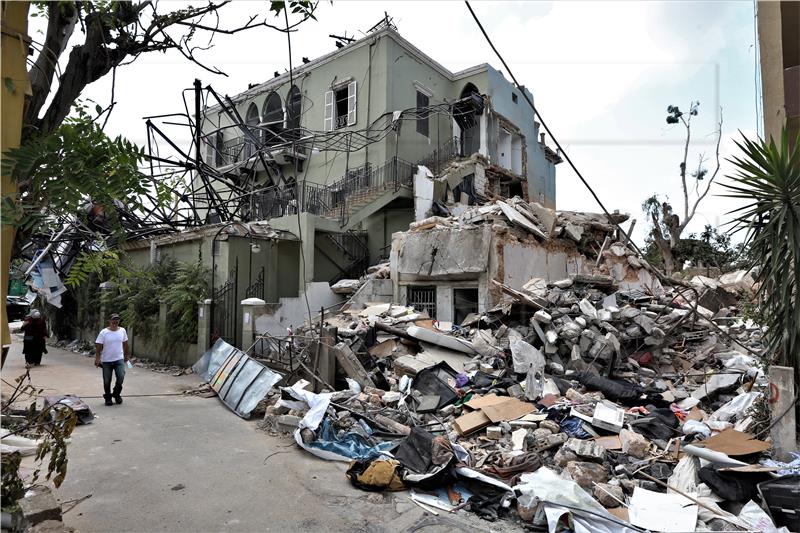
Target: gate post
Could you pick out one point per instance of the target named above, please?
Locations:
(251, 308)
(203, 326)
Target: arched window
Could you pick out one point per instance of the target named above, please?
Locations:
(465, 114)
(273, 119)
(293, 108)
(252, 120)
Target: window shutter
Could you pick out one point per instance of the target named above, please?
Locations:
(351, 103)
(328, 126)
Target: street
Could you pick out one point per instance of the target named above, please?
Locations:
(185, 463)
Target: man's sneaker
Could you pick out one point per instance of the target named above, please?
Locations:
(108, 399)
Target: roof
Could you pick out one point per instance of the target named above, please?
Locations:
(364, 41)
(220, 232)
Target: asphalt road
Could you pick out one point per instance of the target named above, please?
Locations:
(185, 463)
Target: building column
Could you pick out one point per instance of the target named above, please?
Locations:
(308, 232)
(251, 308)
(784, 438)
(203, 326)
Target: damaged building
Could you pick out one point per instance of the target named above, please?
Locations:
(301, 181)
(330, 151)
(453, 266)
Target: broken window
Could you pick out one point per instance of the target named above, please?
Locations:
(423, 100)
(465, 301)
(273, 119)
(340, 107)
(465, 114)
(293, 108)
(422, 298)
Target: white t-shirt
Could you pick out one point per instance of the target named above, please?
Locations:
(112, 344)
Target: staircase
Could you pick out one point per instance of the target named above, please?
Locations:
(353, 246)
(364, 186)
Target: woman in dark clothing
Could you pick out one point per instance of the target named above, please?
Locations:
(35, 332)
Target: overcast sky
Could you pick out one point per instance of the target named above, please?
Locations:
(602, 75)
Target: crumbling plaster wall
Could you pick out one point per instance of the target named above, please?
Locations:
(294, 311)
(441, 254)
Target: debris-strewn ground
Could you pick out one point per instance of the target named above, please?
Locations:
(638, 406)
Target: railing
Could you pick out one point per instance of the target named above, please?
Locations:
(338, 199)
(353, 245)
(279, 353)
(437, 160)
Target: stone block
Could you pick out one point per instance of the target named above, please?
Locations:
(609, 495)
(586, 449)
(634, 444)
(40, 507)
(288, 423)
(584, 474)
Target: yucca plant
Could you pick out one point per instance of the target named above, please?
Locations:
(768, 180)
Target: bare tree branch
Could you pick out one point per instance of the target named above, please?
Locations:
(713, 175)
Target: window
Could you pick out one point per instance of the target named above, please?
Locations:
(273, 119)
(252, 121)
(423, 100)
(465, 301)
(514, 97)
(340, 107)
(422, 298)
(293, 108)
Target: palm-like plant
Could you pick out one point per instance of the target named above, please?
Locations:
(768, 179)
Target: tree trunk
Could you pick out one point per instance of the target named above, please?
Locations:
(62, 17)
(663, 246)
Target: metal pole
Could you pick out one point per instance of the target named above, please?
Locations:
(39, 257)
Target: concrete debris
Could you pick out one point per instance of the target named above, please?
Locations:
(596, 372)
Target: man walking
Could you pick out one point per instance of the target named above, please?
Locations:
(111, 353)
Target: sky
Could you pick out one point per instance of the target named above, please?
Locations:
(602, 75)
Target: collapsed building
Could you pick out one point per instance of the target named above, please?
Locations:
(570, 387)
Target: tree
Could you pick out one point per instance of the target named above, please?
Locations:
(768, 180)
(117, 33)
(64, 163)
(667, 225)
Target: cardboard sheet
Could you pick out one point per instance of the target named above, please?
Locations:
(734, 443)
(479, 402)
(511, 409)
(471, 422)
(609, 443)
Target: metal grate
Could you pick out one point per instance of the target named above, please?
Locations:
(422, 298)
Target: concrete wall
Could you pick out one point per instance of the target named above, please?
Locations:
(524, 261)
(372, 291)
(436, 254)
(293, 311)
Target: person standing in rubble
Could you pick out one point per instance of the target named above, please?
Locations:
(111, 354)
(34, 330)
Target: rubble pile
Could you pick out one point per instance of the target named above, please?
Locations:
(624, 409)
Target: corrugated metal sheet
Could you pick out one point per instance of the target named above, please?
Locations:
(240, 381)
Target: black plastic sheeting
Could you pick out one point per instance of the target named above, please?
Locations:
(613, 389)
(732, 486)
(435, 381)
(660, 424)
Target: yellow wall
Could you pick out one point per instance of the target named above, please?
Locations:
(15, 87)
